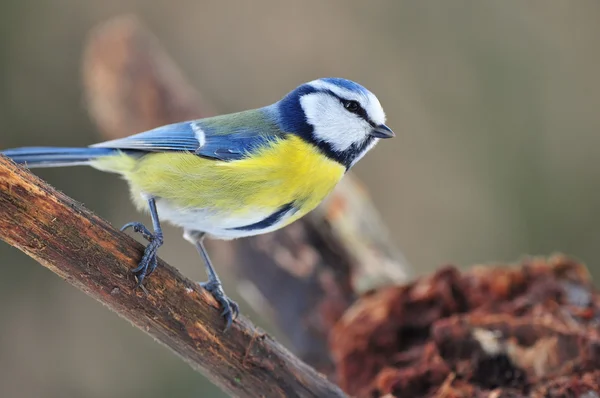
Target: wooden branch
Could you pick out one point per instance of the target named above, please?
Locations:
(302, 277)
(94, 257)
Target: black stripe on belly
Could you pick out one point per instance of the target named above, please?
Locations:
(269, 221)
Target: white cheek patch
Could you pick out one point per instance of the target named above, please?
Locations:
(332, 123)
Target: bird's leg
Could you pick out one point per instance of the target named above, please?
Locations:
(213, 285)
(149, 260)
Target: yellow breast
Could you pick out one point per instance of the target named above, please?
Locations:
(289, 170)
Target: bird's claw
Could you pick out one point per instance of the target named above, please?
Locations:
(145, 268)
(149, 261)
(231, 310)
(140, 228)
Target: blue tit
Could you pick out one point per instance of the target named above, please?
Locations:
(235, 175)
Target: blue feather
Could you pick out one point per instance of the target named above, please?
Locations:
(173, 137)
(346, 84)
(55, 156)
(227, 137)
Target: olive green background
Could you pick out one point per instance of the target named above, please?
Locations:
(495, 105)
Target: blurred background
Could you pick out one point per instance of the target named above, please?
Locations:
(496, 106)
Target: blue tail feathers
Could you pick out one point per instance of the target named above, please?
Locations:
(55, 156)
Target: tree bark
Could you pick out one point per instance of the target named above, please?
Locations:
(91, 255)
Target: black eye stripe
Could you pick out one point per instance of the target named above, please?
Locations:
(359, 112)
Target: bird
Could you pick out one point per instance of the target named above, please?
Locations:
(234, 175)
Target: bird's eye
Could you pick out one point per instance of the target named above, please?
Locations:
(352, 106)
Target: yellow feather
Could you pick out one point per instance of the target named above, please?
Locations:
(289, 170)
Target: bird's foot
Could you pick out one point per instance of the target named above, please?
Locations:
(149, 260)
(140, 228)
(231, 309)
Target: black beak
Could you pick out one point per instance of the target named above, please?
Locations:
(382, 131)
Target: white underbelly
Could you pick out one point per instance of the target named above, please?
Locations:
(217, 224)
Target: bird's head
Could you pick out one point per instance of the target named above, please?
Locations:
(341, 117)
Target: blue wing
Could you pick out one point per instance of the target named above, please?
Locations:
(227, 137)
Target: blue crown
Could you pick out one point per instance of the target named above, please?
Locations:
(346, 84)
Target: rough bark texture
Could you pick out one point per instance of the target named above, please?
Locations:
(528, 331)
(91, 255)
(301, 278)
